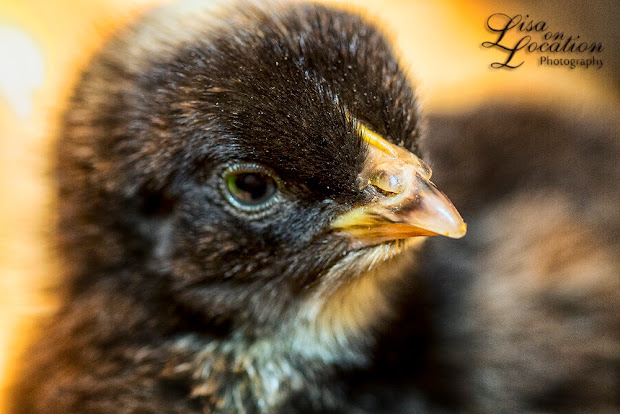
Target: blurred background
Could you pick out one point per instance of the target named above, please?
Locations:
(44, 45)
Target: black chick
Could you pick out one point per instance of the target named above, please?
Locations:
(526, 307)
(233, 195)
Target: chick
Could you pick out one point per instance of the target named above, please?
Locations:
(235, 189)
(241, 214)
(526, 306)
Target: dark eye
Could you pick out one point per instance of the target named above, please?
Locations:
(249, 187)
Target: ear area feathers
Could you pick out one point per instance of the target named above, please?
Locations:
(157, 203)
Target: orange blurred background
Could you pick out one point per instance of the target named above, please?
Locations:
(44, 45)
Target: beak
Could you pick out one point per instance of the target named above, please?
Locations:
(406, 203)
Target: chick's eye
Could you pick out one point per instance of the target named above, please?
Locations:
(249, 187)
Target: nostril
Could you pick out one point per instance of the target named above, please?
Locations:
(388, 181)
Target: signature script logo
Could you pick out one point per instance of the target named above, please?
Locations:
(520, 34)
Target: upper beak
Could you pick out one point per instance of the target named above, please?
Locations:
(406, 202)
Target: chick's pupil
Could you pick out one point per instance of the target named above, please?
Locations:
(251, 188)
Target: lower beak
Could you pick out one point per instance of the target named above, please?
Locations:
(405, 203)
